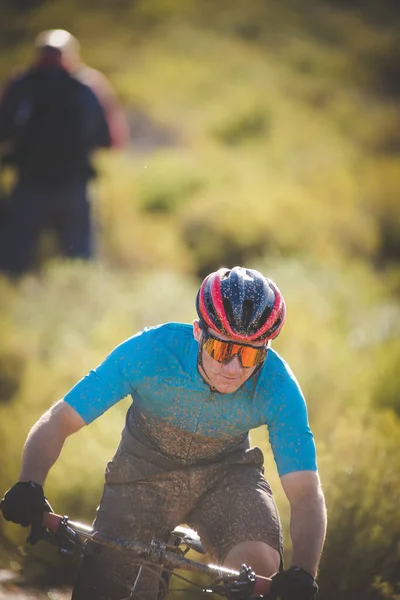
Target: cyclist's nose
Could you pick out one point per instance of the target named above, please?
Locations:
(233, 366)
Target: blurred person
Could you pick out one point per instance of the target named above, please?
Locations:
(53, 116)
(185, 454)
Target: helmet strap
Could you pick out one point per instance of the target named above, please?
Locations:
(201, 365)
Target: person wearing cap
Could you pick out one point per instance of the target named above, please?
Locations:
(53, 116)
(185, 454)
(69, 48)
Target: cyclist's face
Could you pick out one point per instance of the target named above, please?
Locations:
(227, 377)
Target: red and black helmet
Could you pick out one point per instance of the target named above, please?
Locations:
(242, 304)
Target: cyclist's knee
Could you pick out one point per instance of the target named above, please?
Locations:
(261, 557)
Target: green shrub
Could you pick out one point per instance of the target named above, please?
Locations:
(242, 127)
(386, 389)
(362, 553)
(168, 180)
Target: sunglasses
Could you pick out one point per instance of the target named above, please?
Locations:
(223, 352)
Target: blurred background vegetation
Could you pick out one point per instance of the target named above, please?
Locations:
(264, 133)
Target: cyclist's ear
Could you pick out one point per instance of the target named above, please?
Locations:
(196, 330)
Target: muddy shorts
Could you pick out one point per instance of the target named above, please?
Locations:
(147, 494)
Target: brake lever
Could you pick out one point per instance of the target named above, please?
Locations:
(64, 537)
(241, 588)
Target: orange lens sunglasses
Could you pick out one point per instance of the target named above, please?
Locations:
(223, 351)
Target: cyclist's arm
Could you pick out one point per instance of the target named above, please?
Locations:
(294, 451)
(46, 439)
(93, 395)
(307, 518)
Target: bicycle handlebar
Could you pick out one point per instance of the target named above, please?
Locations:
(54, 522)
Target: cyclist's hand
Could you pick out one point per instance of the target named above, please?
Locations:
(24, 503)
(293, 584)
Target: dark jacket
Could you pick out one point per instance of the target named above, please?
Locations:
(51, 122)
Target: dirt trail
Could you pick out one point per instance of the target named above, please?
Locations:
(11, 589)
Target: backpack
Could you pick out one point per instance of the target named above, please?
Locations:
(51, 142)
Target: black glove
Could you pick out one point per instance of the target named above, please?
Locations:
(293, 584)
(25, 504)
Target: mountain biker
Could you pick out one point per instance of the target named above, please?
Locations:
(184, 455)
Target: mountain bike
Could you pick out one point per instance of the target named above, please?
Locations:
(70, 537)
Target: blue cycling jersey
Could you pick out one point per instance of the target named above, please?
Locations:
(158, 368)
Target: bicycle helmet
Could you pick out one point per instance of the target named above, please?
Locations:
(242, 304)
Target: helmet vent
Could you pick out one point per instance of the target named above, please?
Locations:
(247, 314)
(228, 311)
